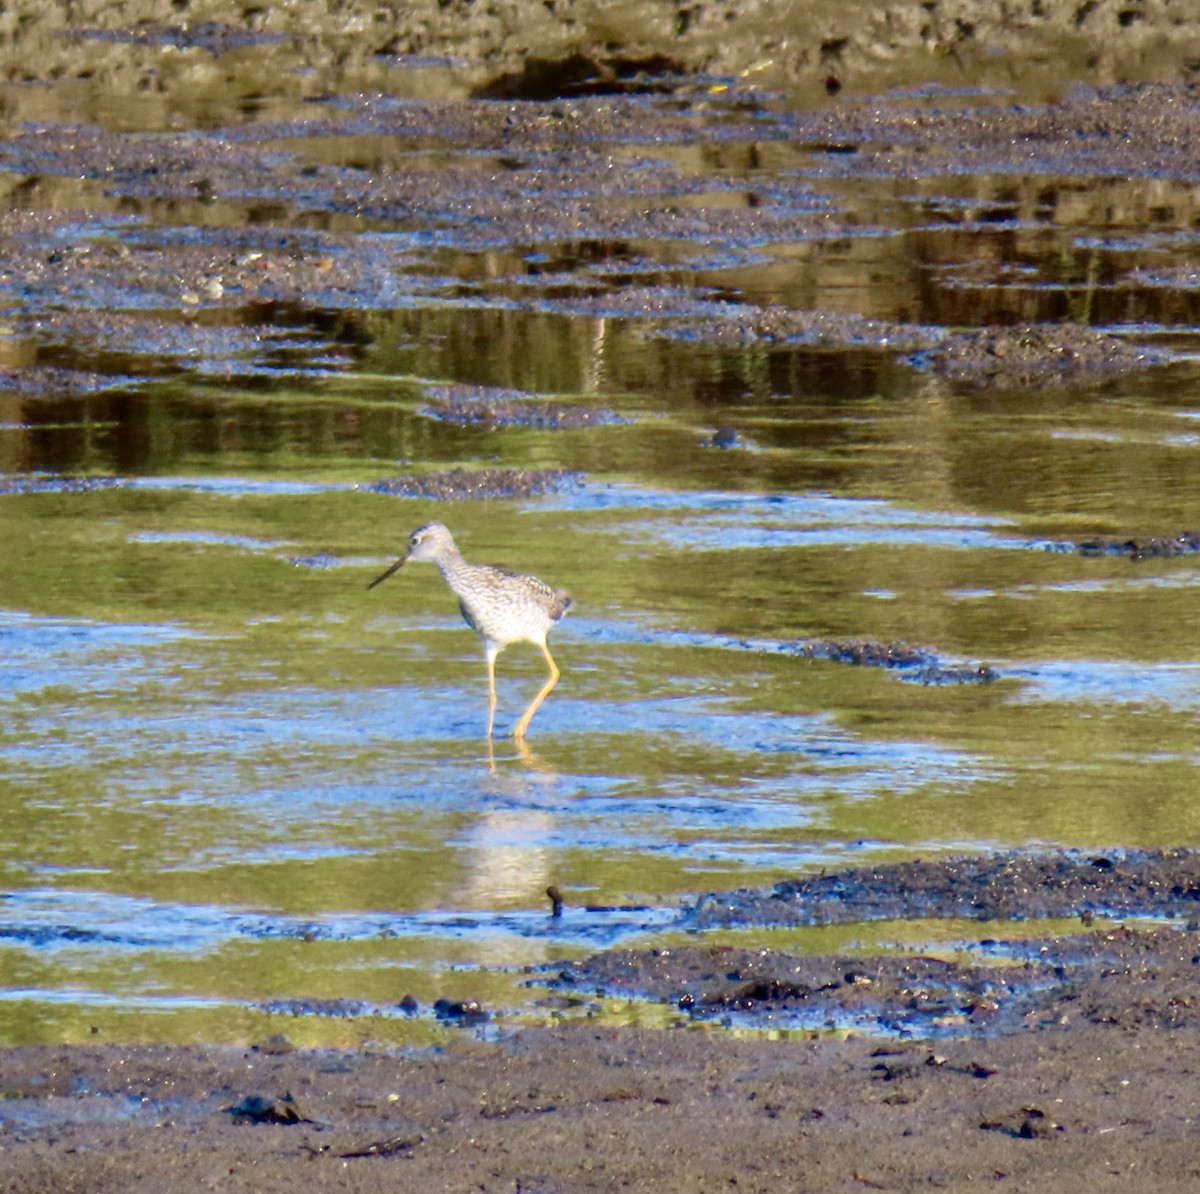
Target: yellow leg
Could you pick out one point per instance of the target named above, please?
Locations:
(527, 716)
(491, 666)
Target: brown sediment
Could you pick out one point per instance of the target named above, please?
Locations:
(781, 325)
(455, 485)
(1035, 355)
(492, 407)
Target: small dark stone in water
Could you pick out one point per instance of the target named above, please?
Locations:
(723, 437)
(465, 1011)
(409, 1006)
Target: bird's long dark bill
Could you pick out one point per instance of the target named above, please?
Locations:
(393, 569)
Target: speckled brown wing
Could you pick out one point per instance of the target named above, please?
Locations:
(508, 607)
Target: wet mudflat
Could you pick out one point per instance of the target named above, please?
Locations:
(970, 983)
(597, 1109)
(860, 419)
(1051, 1062)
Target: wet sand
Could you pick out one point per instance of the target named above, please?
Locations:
(1065, 1063)
(1089, 1107)
(1084, 1104)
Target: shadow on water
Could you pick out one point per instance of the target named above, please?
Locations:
(671, 372)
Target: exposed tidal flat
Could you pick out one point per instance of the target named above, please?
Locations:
(839, 359)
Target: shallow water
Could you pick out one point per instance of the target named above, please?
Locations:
(233, 780)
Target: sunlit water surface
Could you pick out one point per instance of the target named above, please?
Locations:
(235, 784)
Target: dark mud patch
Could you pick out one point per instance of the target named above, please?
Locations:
(566, 191)
(489, 407)
(340, 1009)
(206, 343)
(737, 325)
(1118, 131)
(1110, 975)
(456, 485)
(50, 381)
(1033, 983)
(919, 664)
(1145, 548)
(1034, 355)
(96, 264)
(998, 887)
(45, 483)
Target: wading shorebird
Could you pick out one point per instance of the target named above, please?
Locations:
(502, 607)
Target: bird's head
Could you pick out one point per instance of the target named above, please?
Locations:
(430, 542)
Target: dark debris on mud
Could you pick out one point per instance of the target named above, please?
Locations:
(455, 485)
(1034, 355)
